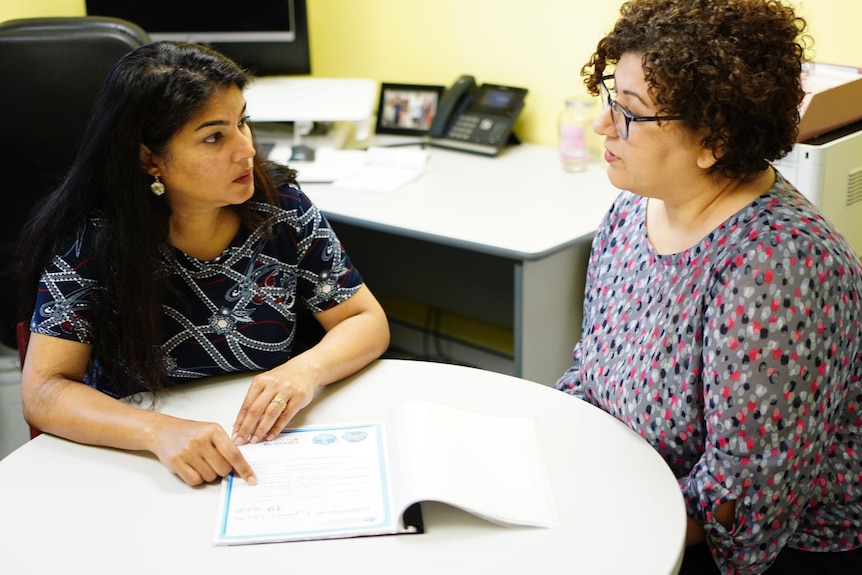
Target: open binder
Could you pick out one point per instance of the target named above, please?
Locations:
(353, 480)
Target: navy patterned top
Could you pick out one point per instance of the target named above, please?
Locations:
(740, 361)
(236, 312)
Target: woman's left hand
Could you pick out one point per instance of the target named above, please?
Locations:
(272, 400)
(357, 332)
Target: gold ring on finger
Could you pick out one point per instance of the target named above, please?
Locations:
(281, 403)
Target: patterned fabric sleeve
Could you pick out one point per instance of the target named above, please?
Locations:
(769, 354)
(570, 381)
(325, 274)
(66, 290)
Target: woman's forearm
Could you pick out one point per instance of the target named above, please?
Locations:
(78, 412)
(356, 335)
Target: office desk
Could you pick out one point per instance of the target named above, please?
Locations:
(504, 240)
(70, 508)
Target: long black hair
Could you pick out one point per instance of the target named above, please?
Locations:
(148, 97)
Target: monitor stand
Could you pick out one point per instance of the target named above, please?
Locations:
(299, 151)
(302, 153)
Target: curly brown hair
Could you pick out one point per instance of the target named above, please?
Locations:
(731, 68)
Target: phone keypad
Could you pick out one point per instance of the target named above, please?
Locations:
(479, 129)
(464, 127)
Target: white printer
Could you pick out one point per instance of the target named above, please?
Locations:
(828, 171)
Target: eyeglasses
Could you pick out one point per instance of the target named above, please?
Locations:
(621, 117)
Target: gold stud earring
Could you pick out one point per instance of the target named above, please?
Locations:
(157, 187)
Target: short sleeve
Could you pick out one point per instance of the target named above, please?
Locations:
(67, 290)
(325, 274)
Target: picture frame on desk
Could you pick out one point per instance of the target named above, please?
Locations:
(407, 109)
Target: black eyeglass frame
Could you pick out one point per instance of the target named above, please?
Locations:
(609, 102)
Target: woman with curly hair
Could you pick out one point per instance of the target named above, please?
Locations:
(723, 312)
(171, 252)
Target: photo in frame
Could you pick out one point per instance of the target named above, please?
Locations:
(407, 109)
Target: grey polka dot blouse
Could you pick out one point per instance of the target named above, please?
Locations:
(740, 361)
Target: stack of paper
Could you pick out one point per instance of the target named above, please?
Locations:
(385, 169)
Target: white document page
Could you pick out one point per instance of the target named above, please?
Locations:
(385, 170)
(329, 165)
(490, 466)
(313, 483)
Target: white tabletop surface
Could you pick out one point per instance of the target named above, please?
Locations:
(69, 508)
(520, 204)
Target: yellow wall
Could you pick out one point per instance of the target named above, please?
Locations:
(541, 47)
(10, 9)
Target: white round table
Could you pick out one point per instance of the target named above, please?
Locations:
(71, 508)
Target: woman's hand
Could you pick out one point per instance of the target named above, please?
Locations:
(357, 332)
(272, 400)
(198, 452)
(55, 401)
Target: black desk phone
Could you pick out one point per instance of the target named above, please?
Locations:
(476, 118)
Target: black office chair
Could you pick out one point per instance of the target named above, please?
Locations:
(51, 71)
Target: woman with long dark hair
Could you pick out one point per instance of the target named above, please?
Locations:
(171, 252)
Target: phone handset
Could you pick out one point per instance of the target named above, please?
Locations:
(450, 104)
(475, 118)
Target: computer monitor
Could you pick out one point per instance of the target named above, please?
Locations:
(268, 37)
